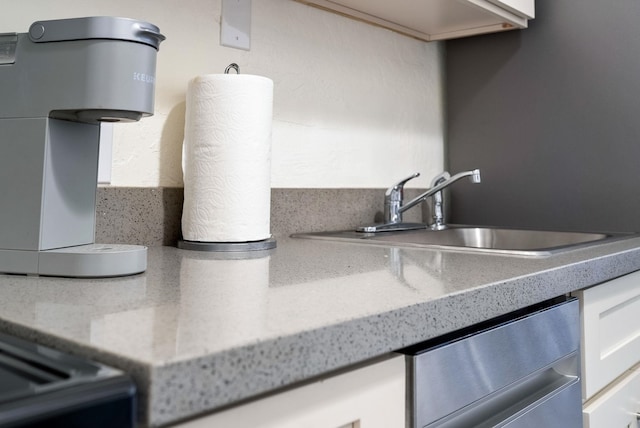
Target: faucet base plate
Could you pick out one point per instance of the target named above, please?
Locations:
(391, 227)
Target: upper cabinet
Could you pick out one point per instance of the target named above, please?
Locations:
(435, 19)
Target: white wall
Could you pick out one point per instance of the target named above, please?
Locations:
(354, 105)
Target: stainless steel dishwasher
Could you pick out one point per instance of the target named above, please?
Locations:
(519, 370)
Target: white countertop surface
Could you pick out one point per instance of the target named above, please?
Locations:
(198, 331)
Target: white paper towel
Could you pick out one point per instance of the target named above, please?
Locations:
(227, 158)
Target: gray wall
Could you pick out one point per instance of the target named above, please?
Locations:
(551, 116)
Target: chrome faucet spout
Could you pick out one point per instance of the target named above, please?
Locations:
(474, 176)
(394, 207)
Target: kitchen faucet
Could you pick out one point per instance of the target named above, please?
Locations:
(394, 203)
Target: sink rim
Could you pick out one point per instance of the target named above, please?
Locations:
(368, 238)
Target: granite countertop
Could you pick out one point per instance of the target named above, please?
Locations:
(200, 331)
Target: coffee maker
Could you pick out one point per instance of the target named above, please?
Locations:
(58, 82)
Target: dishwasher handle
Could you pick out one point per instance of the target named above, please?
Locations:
(546, 398)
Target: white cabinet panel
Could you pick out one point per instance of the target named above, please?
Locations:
(435, 19)
(611, 331)
(617, 406)
(524, 8)
(368, 397)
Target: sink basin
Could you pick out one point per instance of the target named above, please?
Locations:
(478, 239)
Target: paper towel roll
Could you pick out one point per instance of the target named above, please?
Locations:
(227, 158)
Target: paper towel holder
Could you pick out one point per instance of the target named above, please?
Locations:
(232, 66)
(266, 244)
(254, 247)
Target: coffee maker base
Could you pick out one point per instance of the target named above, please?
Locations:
(81, 261)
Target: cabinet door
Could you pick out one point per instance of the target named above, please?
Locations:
(617, 406)
(611, 331)
(368, 397)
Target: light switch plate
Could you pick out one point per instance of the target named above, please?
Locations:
(235, 28)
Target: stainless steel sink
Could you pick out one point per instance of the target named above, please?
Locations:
(477, 239)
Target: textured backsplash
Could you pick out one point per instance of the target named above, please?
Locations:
(151, 216)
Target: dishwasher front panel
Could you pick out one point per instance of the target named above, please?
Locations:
(520, 370)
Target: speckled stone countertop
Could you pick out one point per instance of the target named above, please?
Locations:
(199, 331)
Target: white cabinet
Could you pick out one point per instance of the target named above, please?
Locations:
(610, 350)
(611, 331)
(435, 19)
(367, 397)
(617, 406)
(524, 8)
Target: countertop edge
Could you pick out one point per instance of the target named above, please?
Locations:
(237, 375)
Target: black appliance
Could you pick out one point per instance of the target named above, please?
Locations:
(41, 387)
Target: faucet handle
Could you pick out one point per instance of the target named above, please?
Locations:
(393, 200)
(394, 192)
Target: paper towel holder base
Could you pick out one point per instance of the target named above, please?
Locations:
(266, 244)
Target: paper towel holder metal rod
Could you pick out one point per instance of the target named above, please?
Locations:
(232, 66)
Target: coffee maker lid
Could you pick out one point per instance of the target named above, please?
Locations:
(96, 27)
